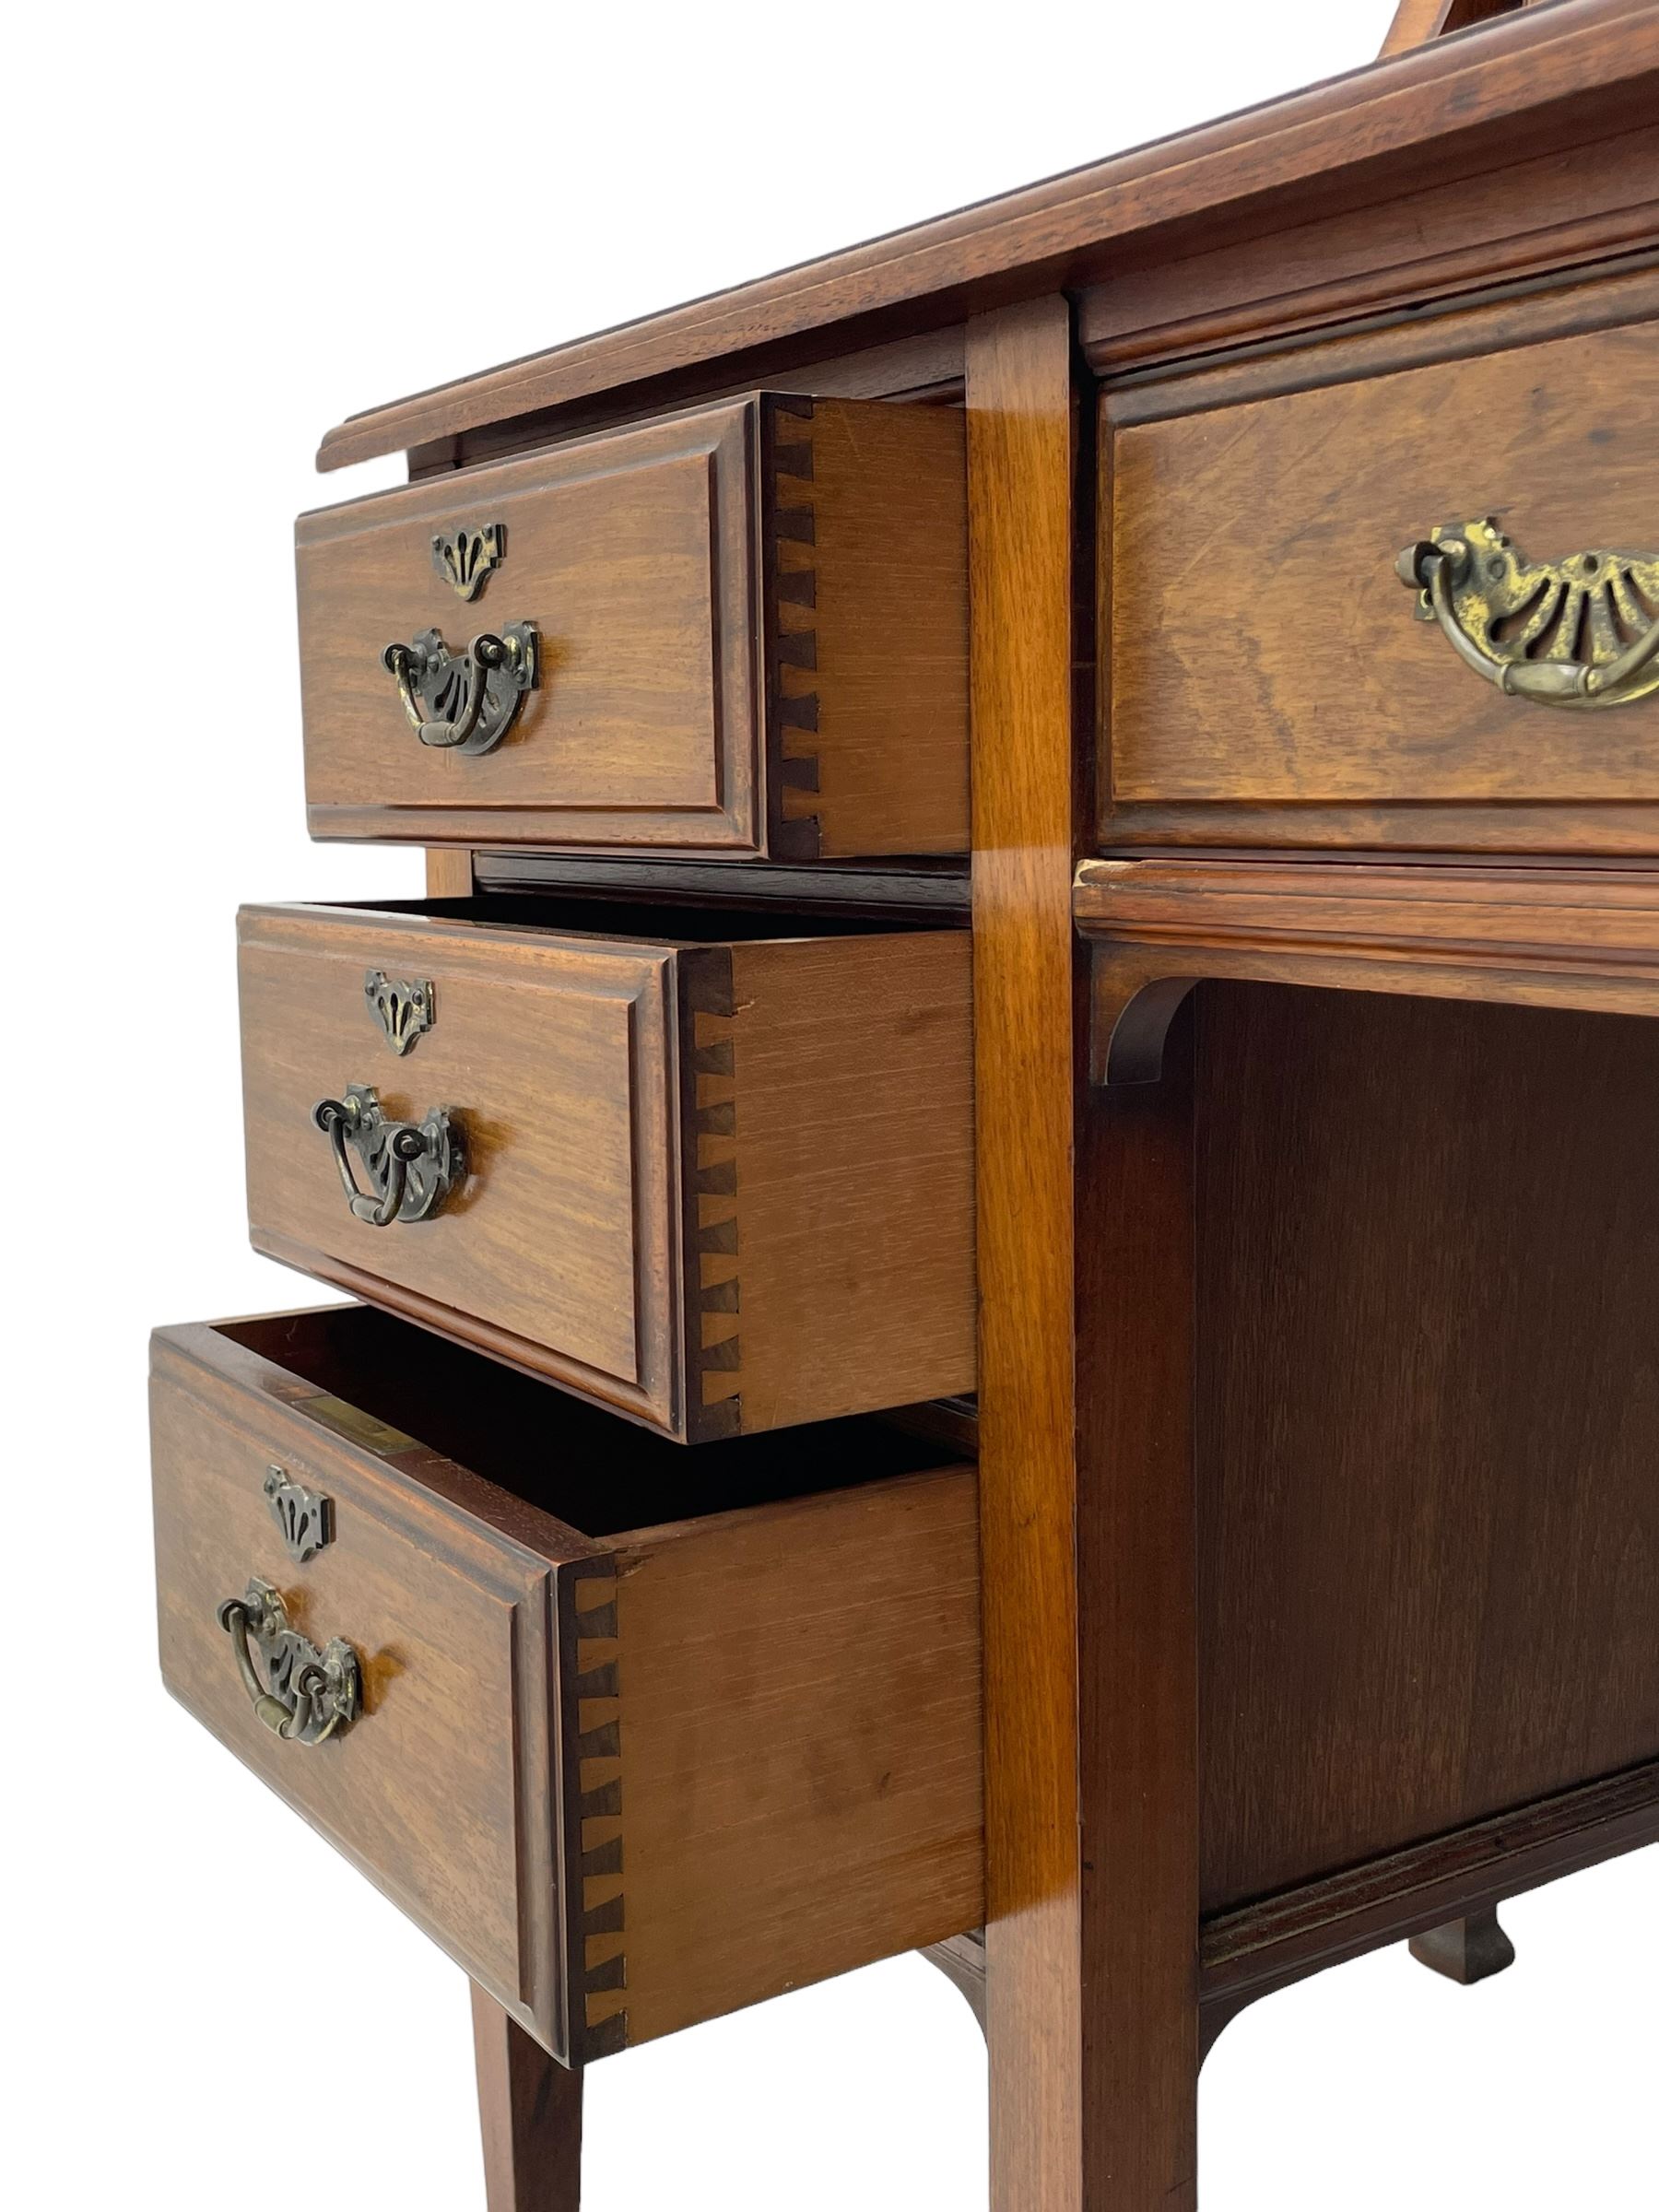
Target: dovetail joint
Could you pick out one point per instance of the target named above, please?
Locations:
(601, 1919)
(715, 1306)
(791, 623)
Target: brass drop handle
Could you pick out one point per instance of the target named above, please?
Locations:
(411, 1166)
(1579, 633)
(304, 1695)
(466, 701)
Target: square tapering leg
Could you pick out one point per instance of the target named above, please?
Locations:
(530, 2112)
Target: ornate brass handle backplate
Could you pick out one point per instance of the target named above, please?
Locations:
(303, 1695)
(411, 1166)
(1582, 632)
(468, 702)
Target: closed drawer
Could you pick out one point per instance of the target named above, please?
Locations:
(1271, 679)
(719, 1185)
(631, 1765)
(750, 637)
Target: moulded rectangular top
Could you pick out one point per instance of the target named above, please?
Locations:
(1544, 79)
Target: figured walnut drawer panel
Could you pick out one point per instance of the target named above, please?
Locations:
(630, 1769)
(718, 1186)
(753, 624)
(1268, 679)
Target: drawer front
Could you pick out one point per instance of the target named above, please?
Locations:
(630, 555)
(1272, 679)
(443, 1789)
(715, 1187)
(555, 1058)
(746, 627)
(628, 1780)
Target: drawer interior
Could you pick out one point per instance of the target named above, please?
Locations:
(612, 915)
(597, 1475)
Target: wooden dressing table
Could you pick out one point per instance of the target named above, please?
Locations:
(1004, 1198)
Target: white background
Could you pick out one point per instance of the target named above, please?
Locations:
(229, 227)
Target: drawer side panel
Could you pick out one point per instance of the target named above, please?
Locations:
(799, 1771)
(834, 1158)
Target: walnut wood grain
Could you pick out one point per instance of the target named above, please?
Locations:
(1523, 222)
(1618, 293)
(1137, 1554)
(448, 872)
(1415, 22)
(631, 1773)
(925, 368)
(1273, 524)
(835, 1138)
(443, 1791)
(827, 536)
(714, 1186)
(864, 545)
(1425, 1432)
(1020, 479)
(558, 1056)
(823, 1810)
(530, 2117)
(1565, 74)
(1536, 936)
(1317, 1586)
(631, 554)
(1266, 1946)
(1418, 21)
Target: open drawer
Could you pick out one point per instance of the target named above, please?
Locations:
(715, 1177)
(631, 1766)
(741, 631)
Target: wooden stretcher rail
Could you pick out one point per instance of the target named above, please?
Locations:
(1545, 936)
